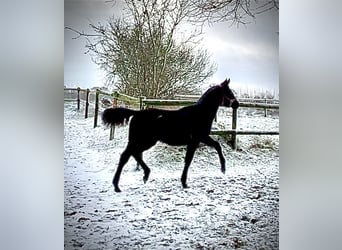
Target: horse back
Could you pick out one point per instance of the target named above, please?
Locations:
(176, 127)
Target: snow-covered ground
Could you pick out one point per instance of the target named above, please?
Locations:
(238, 210)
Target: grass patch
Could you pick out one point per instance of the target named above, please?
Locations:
(260, 142)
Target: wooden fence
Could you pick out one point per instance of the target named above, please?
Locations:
(144, 103)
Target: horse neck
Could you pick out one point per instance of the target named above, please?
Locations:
(210, 103)
(208, 110)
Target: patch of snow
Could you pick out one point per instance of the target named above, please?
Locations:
(237, 210)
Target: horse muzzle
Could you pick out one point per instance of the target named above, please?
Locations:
(234, 103)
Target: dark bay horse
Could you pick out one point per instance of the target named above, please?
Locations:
(187, 126)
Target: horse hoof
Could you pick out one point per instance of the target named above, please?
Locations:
(145, 178)
(185, 186)
(117, 190)
(223, 170)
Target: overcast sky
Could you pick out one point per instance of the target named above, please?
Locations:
(246, 54)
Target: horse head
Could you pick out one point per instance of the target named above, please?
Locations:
(228, 98)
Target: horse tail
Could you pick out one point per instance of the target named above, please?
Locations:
(117, 116)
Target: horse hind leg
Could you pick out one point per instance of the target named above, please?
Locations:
(126, 154)
(147, 171)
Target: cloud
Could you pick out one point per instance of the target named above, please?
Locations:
(248, 54)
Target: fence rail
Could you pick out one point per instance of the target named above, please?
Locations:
(143, 103)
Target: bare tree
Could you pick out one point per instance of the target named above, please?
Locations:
(231, 11)
(142, 54)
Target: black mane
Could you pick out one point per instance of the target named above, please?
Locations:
(212, 94)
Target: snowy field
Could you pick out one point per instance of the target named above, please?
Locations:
(238, 210)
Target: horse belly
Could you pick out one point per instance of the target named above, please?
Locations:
(174, 135)
(171, 129)
(175, 141)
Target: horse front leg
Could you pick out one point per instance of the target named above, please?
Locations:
(138, 164)
(212, 143)
(191, 148)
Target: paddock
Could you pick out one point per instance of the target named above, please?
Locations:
(238, 210)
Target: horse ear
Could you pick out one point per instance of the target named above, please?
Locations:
(225, 83)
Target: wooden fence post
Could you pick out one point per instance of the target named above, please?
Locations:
(234, 122)
(115, 104)
(96, 107)
(265, 108)
(78, 98)
(115, 99)
(141, 102)
(87, 104)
